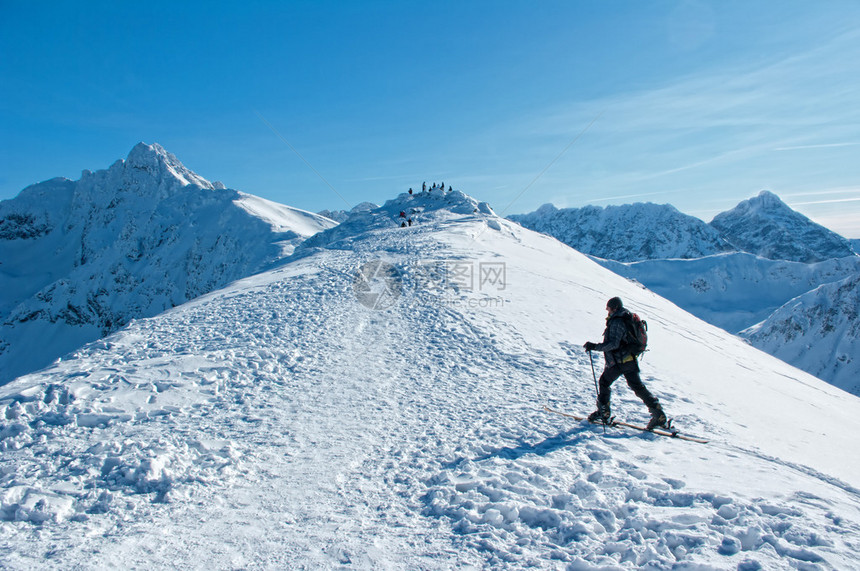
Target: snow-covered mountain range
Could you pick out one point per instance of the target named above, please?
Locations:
(80, 259)
(628, 233)
(763, 225)
(776, 255)
(766, 226)
(285, 422)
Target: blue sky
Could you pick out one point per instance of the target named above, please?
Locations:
(696, 104)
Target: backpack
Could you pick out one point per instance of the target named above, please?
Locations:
(637, 334)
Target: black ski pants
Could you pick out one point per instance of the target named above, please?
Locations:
(630, 370)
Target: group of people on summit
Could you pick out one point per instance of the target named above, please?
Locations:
(407, 220)
(432, 188)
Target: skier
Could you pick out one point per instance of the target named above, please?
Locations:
(619, 361)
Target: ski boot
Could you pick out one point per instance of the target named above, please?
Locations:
(600, 416)
(658, 419)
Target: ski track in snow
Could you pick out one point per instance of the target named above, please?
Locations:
(280, 424)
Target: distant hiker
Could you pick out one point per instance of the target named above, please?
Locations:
(619, 360)
(443, 187)
(410, 191)
(402, 214)
(403, 224)
(424, 187)
(409, 222)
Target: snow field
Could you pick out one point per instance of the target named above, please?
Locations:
(278, 423)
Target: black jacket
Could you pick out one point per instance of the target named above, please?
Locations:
(614, 339)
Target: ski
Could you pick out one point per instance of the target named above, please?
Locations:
(671, 432)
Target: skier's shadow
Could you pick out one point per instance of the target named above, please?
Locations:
(522, 448)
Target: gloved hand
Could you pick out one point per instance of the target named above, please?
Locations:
(589, 346)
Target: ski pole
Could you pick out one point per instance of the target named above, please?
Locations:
(594, 375)
(596, 389)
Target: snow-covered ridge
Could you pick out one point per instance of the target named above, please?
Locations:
(767, 227)
(627, 233)
(409, 210)
(305, 430)
(79, 259)
(829, 315)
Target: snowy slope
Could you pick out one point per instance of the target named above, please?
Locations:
(828, 316)
(734, 291)
(627, 233)
(675, 256)
(281, 423)
(766, 226)
(79, 259)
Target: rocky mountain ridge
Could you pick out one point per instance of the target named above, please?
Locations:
(82, 258)
(627, 233)
(764, 225)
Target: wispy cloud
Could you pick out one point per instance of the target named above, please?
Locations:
(722, 111)
(854, 190)
(818, 146)
(835, 201)
(625, 197)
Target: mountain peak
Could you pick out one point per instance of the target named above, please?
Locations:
(767, 200)
(453, 201)
(143, 153)
(768, 195)
(547, 209)
(766, 226)
(156, 160)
